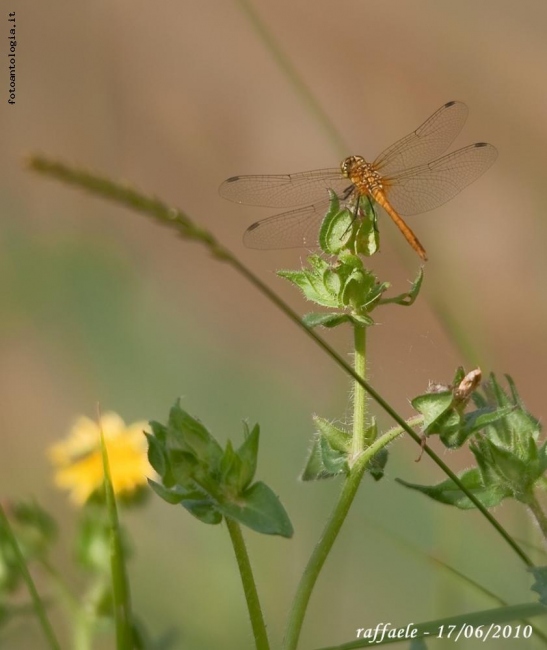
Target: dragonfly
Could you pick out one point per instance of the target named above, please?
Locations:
(407, 178)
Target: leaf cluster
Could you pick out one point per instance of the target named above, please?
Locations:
(211, 482)
(331, 452)
(338, 279)
(503, 436)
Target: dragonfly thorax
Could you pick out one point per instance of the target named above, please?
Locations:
(362, 174)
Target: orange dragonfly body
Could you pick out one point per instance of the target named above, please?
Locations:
(406, 179)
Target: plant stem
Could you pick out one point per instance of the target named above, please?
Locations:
(285, 64)
(81, 619)
(121, 594)
(359, 393)
(249, 586)
(319, 555)
(339, 514)
(539, 515)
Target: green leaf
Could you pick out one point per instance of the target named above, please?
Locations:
(325, 459)
(334, 461)
(156, 454)
(540, 585)
(170, 496)
(230, 468)
(449, 493)
(203, 509)
(407, 299)
(432, 406)
(159, 431)
(367, 237)
(312, 282)
(338, 438)
(248, 454)
(259, 509)
(196, 501)
(483, 417)
(189, 434)
(336, 228)
(315, 319)
(183, 465)
(377, 464)
(314, 468)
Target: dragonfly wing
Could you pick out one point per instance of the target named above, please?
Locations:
(284, 190)
(293, 229)
(426, 187)
(429, 140)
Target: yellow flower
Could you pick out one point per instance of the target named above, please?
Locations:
(79, 463)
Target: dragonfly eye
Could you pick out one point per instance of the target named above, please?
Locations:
(348, 165)
(345, 166)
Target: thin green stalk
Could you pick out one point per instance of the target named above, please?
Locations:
(121, 594)
(327, 539)
(81, 621)
(249, 586)
(319, 555)
(341, 509)
(285, 64)
(359, 394)
(39, 607)
(176, 219)
(539, 515)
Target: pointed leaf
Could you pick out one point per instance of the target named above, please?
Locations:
(259, 508)
(325, 320)
(204, 510)
(540, 585)
(170, 496)
(190, 434)
(448, 492)
(432, 406)
(156, 454)
(338, 438)
(248, 453)
(314, 469)
(334, 461)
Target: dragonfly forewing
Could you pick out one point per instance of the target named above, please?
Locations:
(284, 190)
(427, 142)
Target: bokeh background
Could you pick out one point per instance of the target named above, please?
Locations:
(99, 304)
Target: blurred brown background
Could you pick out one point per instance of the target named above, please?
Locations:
(99, 304)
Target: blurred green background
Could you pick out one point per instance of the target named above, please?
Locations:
(98, 304)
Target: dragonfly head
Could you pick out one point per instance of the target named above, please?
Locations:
(348, 165)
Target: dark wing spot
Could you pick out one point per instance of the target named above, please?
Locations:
(232, 179)
(481, 144)
(253, 226)
(449, 104)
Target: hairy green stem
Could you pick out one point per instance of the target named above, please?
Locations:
(319, 555)
(359, 394)
(327, 539)
(249, 586)
(539, 515)
(339, 514)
